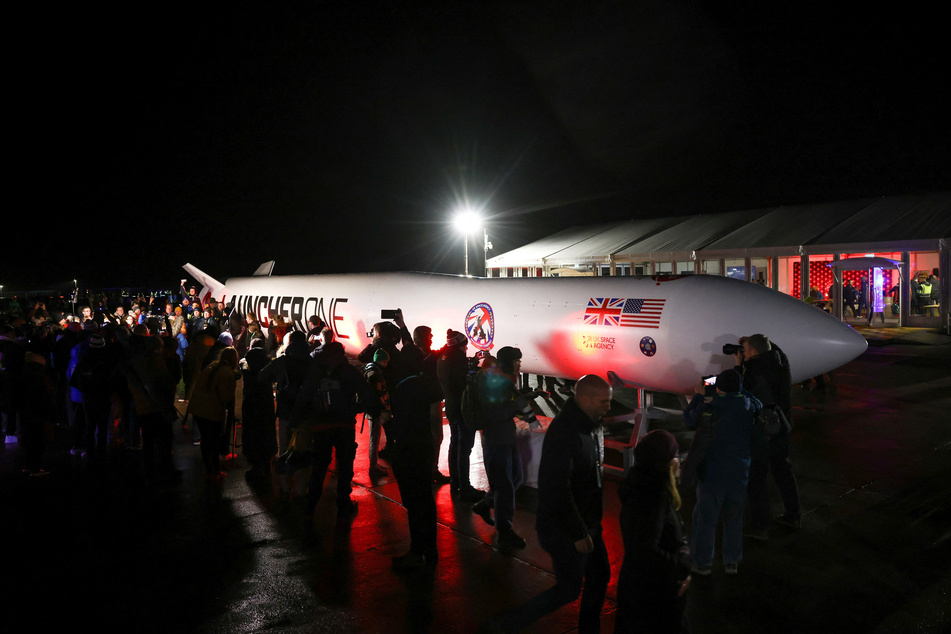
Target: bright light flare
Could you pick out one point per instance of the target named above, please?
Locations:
(467, 220)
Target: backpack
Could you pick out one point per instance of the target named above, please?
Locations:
(332, 402)
(473, 412)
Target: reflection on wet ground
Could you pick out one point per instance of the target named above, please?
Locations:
(872, 453)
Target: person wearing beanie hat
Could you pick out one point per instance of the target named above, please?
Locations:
(456, 338)
(381, 356)
(502, 403)
(452, 370)
(655, 572)
(719, 463)
(507, 356)
(729, 382)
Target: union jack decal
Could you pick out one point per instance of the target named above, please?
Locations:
(603, 311)
(624, 312)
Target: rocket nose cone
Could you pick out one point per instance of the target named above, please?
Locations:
(828, 344)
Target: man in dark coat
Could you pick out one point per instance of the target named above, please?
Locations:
(332, 394)
(570, 509)
(258, 432)
(411, 443)
(766, 374)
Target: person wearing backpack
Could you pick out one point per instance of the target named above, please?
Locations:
(501, 403)
(766, 374)
(288, 372)
(330, 398)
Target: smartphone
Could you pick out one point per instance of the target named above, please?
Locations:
(710, 380)
(389, 314)
(710, 383)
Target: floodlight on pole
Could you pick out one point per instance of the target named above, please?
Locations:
(466, 220)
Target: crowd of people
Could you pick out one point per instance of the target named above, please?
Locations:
(115, 378)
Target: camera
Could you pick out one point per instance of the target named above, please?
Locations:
(732, 348)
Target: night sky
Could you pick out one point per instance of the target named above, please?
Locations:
(339, 137)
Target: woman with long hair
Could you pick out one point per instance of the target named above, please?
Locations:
(655, 572)
(212, 405)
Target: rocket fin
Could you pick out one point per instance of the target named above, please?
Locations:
(210, 287)
(265, 269)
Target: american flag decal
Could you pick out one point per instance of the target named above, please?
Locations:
(630, 313)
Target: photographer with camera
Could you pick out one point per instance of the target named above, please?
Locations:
(385, 337)
(766, 374)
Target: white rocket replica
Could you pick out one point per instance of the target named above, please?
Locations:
(661, 332)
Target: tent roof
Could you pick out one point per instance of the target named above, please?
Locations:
(894, 218)
(600, 247)
(787, 226)
(691, 234)
(896, 222)
(534, 253)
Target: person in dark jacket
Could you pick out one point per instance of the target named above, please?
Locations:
(570, 509)
(501, 403)
(766, 375)
(258, 434)
(386, 336)
(288, 371)
(411, 443)
(376, 375)
(332, 394)
(422, 355)
(36, 410)
(97, 378)
(452, 367)
(718, 463)
(12, 355)
(655, 572)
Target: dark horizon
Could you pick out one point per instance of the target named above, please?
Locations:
(339, 139)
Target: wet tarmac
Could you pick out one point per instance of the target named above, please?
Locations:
(93, 547)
